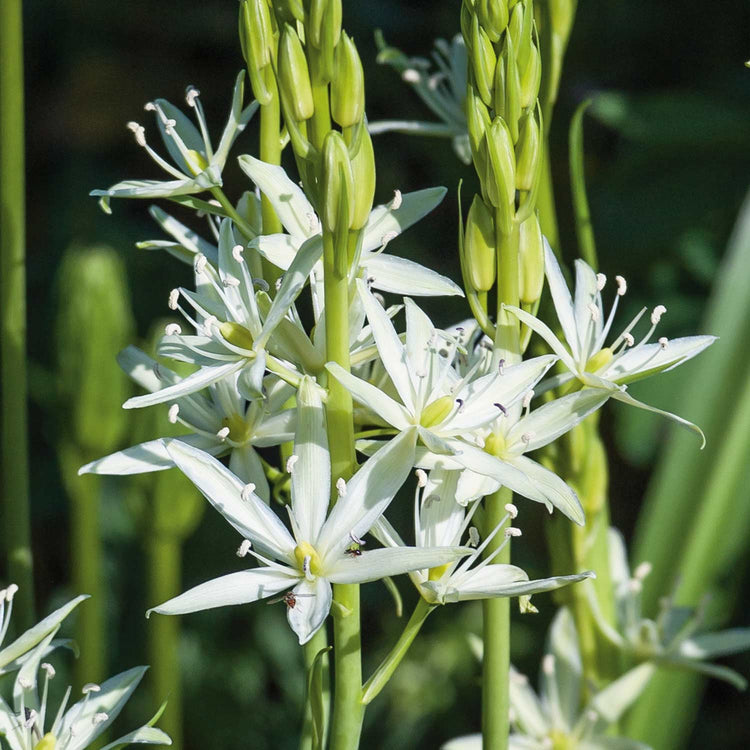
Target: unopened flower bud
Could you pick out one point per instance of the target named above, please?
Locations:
(483, 60)
(338, 184)
(507, 99)
(324, 22)
(479, 246)
(528, 152)
(477, 120)
(256, 39)
(530, 261)
(531, 78)
(435, 412)
(291, 10)
(237, 335)
(501, 182)
(363, 173)
(294, 77)
(493, 16)
(348, 84)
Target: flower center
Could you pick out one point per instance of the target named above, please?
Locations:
(436, 412)
(435, 574)
(601, 358)
(237, 335)
(495, 445)
(239, 430)
(48, 742)
(308, 559)
(196, 161)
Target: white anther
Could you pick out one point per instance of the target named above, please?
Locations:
(628, 339)
(511, 510)
(420, 373)
(174, 296)
(481, 442)
(230, 281)
(306, 568)
(594, 311)
(139, 132)
(548, 665)
(601, 281)
(501, 367)
(313, 222)
(411, 76)
(622, 285)
(201, 261)
(49, 669)
(421, 477)
(32, 715)
(209, 323)
(643, 570)
(356, 540)
(527, 399)
(397, 200)
(512, 531)
(149, 107)
(247, 491)
(191, 95)
(663, 342)
(341, 486)
(659, 310)
(244, 548)
(237, 251)
(174, 410)
(10, 592)
(279, 282)
(387, 237)
(99, 718)
(434, 81)
(290, 463)
(380, 298)
(25, 683)
(635, 586)
(90, 687)
(169, 126)
(262, 284)
(172, 329)
(473, 537)
(223, 433)
(527, 437)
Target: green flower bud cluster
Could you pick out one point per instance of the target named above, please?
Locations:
(505, 134)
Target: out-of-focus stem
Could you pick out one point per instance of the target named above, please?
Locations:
(321, 686)
(15, 461)
(270, 152)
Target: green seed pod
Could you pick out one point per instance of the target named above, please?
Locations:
(528, 152)
(515, 25)
(363, 172)
(467, 15)
(479, 246)
(337, 189)
(477, 119)
(522, 43)
(502, 164)
(435, 412)
(94, 322)
(237, 335)
(531, 78)
(348, 85)
(530, 260)
(493, 16)
(324, 23)
(483, 61)
(294, 77)
(256, 40)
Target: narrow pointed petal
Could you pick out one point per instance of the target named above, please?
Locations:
(564, 681)
(440, 514)
(149, 456)
(286, 197)
(626, 398)
(250, 516)
(391, 349)
(561, 299)
(192, 383)
(368, 494)
(546, 333)
(649, 359)
(373, 398)
(245, 464)
(612, 702)
(236, 588)
(477, 460)
(419, 331)
(717, 671)
(143, 736)
(275, 429)
(310, 609)
(384, 221)
(489, 582)
(144, 370)
(396, 275)
(278, 249)
(555, 418)
(714, 645)
(237, 120)
(186, 237)
(586, 294)
(526, 705)
(391, 561)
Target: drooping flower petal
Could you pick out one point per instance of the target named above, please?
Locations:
(312, 605)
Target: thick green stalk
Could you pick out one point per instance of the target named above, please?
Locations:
(311, 649)
(545, 201)
(385, 671)
(320, 122)
(15, 460)
(270, 152)
(164, 566)
(508, 334)
(496, 638)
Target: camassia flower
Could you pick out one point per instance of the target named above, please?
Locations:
(440, 521)
(389, 273)
(585, 330)
(220, 422)
(554, 718)
(198, 165)
(322, 548)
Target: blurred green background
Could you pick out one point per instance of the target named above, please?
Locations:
(667, 162)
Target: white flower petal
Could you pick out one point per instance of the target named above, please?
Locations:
(467, 742)
(372, 397)
(310, 609)
(389, 273)
(250, 516)
(237, 120)
(563, 685)
(275, 429)
(419, 331)
(392, 351)
(368, 494)
(278, 249)
(245, 464)
(561, 299)
(286, 197)
(236, 588)
(143, 736)
(530, 716)
(589, 326)
(186, 237)
(440, 514)
(612, 702)
(390, 561)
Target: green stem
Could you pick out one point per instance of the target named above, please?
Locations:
(545, 201)
(14, 440)
(165, 562)
(320, 122)
(496, 638)
(385, 671)
(231, 211)
(322, 687)
(270, 152)
(508, 332)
